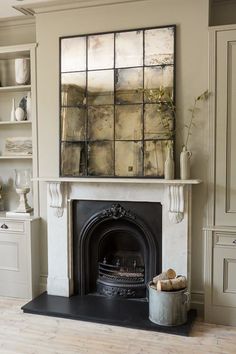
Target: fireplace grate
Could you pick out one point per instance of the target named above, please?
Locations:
(120, 274)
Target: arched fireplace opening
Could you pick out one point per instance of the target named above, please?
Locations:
(117, 247)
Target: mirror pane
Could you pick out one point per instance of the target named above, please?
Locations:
(101, 51)
(155, 152)
(128, 158)
(129, 85)
(73, 89)
(73, 123)
(100, 158)
(100, 87)
(129, 122)
(157, 125)
(73, 54)
(129, 49)
(72, 159)
(101, 123)
(159, 46)
(157, 77)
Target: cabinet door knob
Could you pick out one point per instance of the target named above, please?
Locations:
(4, 226)
(234, 241)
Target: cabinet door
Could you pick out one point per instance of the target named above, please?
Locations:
(225, 203)
(224, 276)
(13, 265)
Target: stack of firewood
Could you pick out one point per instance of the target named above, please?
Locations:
(168, 281)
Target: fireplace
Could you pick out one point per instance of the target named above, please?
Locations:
(145, 225)
(116, 247)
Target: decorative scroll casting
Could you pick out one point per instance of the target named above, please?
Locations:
(176, 203)
(56, 197)
(117, 212)
(115, 291)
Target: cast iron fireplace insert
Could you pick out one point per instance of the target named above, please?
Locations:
(116, 247)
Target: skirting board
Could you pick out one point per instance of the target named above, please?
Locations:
(197, 302)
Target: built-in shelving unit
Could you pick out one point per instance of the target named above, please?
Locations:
(10, 90)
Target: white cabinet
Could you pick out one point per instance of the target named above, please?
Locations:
(220, 275)
(19, 257)
(220, 234)
(9, 90)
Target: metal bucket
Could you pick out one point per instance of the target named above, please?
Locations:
(168, 308)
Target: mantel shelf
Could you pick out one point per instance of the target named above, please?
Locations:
(120, 180)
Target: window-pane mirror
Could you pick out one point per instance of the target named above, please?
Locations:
(117, 103)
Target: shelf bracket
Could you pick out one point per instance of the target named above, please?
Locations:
(176, 203)
(56, 197)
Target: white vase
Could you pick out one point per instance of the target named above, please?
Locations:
(169, 168)
(19, 114)
(185, 156)
(12, 117)
(22, 70)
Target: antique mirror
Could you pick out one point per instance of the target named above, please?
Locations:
(117, 103)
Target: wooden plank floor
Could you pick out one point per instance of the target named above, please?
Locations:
(33, 334)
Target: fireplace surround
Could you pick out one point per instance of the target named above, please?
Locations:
(65, 297)
(174, 196)
(116, 247)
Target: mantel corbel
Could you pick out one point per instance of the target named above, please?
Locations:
(56, 190)
(176, 202)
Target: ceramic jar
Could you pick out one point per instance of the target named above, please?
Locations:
(169, 168)
(22, 71)
(185, 156)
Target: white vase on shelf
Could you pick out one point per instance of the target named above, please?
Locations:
(169, 168)
(19, 114)
(185, 156)
(22, 71)
(12, 116)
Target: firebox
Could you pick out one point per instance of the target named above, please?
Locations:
(116, 247)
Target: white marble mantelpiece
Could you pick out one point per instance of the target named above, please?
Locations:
(174, 195)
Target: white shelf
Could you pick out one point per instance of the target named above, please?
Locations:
(7, 122)
(15, 157)
(15, 88)
(121, 180)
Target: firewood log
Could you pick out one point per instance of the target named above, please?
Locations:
(172, 284)
(169, 274)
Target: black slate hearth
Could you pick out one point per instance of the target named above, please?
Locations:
(100, 309)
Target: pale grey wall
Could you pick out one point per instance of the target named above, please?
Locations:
(191, 18)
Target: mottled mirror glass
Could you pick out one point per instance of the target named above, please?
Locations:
(101, 123)
(154, 157)
(129, 85)
(101, 51)
(129, 122)
(159, 46)
(129, 49)
(73, 159)
(129, 158)
(73, 89)
(73, 54)
(100, 158)
(100, 87)
(116, 103)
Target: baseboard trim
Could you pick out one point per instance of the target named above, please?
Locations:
(197, 302)
(43, 283)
